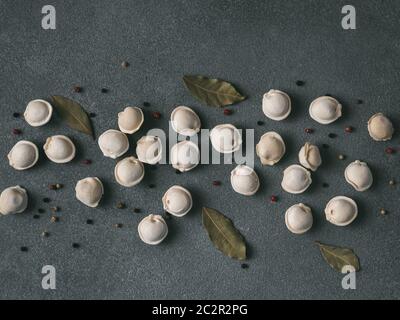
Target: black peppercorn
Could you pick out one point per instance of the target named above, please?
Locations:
(332, 135)
(300, 83)
(75, 245)
(24, 249)
(89, 221)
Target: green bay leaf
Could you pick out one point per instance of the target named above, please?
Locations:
(213, 92)
(73, 114)
(338, 257)
(223, 234)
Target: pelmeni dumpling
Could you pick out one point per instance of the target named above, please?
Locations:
(244, 180)
(341, 211)
(276, 105)
(89, 191)
(380, 128)
(23, 155)
(310, 157)
(129, 172)
(359, 175)
(149, 149)
(130, 120)
(185, 121)
(298, 218)
(271, 148)
(113, 143)
(152, 229)
(38, 112)
(59, 149)
(225, 138)
(325, 110)
(13, 200)
(296, 179)
(177, 201)
(185, 156)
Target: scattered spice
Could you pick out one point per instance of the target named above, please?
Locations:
(300, 83)
(92, 115)
(16, 131)
(16, 114)
(341, 157)
(75, 245)
(36, 216)
(54, 209)
(136, 210)
(156, 115)
(392, 182)
(24, 249)
(45, 234)
(260, 123)
(308, 130)
(124, 64)
(383, 212)
(104, 90)
(390, 150)
(89, 221)
(46, 200)
(325, 185)
(274, 198)
(77, 89)
(359, 101)
(40, 210)
(52, 187)
(87, 161)
(244, 266)
(349, 129)
(118, 225)
(121, 205)
(54, 219)
(146, 104)
(59, 186)
(228, 112)
(216, 183)
(332, 135)
(151, 185)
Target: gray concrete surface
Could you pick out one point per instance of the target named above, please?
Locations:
(257, 45)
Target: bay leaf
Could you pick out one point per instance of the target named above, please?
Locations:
(338, 257)
(213, 92)
(73, 114)
(223, 234)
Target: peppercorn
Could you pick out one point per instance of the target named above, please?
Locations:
(40, 210)
(52, 187)
(216, 183)
(54, 219)
(151, 185)
(87, 161)
(45, 234)
(54, 209)
(16, 131)
(274, 198)
(156, 115)
(341, 157)
(227, 112)
(146, 104)
(77, 89)
(348, 129)
(75, 245)
(16, 114)
(244, 266)
(89, 221)
(36, 216)
(308, 130)
(390, 150)
(332, 135)
(392, 182)
(260, 123)
(118, 225)
(359, 101)
(300, 83)
(383, 212)
(104, 90)
(24, 249)
(136, 210)
(46, 200)
(125, 64)
(325, 185)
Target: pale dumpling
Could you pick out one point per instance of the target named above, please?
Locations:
(358, 175)
(271, 148)
(310, 157)
(244, 180)
(325, 110)
(341, 211)
(89, 191)
(276, 105)
(296, 179)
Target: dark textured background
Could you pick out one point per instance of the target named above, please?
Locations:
(257, 45)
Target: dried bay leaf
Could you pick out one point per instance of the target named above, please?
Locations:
(213, 92)
(223, 234)
(338, 257)
(73, 114)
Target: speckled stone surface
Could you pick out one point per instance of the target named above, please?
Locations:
(257, 45)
